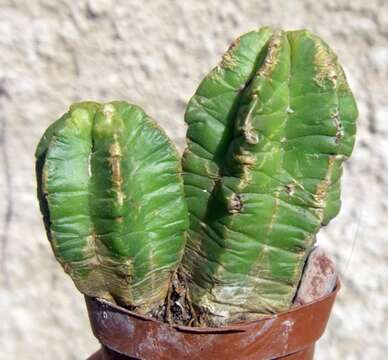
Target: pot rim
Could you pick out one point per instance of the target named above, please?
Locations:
(268, 337)
(234, 327)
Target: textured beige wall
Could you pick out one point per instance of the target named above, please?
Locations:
(153, 53)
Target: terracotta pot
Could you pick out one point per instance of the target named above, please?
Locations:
(289, 335)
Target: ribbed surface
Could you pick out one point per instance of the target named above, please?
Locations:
(112, 197)
(269, 129)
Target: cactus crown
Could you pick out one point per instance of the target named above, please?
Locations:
(268, 131)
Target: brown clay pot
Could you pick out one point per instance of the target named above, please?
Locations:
(289, 335)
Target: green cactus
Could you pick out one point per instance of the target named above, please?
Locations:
(110, 190)
(268, 131)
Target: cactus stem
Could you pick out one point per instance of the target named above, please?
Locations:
(89, 162)
(279, 125)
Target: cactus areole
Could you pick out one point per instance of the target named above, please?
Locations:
(268, 131)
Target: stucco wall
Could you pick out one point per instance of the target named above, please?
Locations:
(153, 53)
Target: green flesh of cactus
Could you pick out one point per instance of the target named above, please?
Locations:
(268, 131)
(111, 192)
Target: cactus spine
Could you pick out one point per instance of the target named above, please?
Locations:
(110, 190)
(268, 131)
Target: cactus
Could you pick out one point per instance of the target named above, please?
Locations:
(268, 131)
(111, 193)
